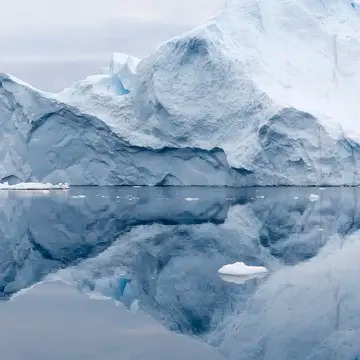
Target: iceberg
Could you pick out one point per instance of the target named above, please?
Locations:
(34, 186)
(265, 93)
(44, 140)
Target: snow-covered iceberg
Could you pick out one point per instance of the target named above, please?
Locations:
(265, 93)
(34, 186)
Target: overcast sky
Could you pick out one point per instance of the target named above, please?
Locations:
(50, 44)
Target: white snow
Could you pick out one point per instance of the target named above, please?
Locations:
(241, 269)
(34, 186)
(314, 197)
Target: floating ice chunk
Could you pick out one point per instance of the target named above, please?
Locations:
(314, 197)
(260, 197)
(34, 186)
(132, 198)
(241, 269)
(78, 196)
(296, 197)
(192, 199)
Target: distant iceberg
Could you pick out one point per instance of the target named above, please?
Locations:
(241, 269)
(34, 186)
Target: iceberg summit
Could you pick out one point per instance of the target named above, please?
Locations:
(265, 93)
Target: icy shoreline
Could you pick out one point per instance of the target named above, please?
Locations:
(34, 186)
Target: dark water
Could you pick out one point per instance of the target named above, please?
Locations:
(153, 253)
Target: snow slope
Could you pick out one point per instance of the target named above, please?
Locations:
(271, 85)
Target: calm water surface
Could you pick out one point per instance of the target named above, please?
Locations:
(131, 273)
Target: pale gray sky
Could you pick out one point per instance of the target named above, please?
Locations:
(50, 44)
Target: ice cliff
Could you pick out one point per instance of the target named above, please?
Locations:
(266, 93)
(47, 141)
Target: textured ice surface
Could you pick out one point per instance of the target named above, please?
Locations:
(265, 93)
(44, 141)
(280, 101)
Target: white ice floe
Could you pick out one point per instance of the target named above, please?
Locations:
(192, 199)
(34, 186)
(241, 269)
(78, 197)
(314, 197)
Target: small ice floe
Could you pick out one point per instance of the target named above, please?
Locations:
(34, 186)
(136, 187)
(296, 198)
(132, 198)
(322, 188)
(321, 229)
(78, 197)
(192, 199)
(314, 197)
(240, 273)
(240, 268)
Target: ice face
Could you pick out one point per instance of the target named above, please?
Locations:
(47, 141)
(271, 86)
(272, 100)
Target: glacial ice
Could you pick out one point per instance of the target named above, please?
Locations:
(241, 269)
(34, 186)
(265, 93)
(44, 140)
